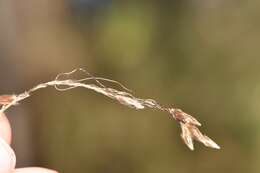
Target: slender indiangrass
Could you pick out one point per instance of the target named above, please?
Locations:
(189, 125)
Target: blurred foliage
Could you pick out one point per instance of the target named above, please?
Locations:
(201, 56)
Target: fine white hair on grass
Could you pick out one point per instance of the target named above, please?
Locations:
(64, 81)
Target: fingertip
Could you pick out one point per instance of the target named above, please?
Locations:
(7, 157)
(5, 128)
(34, 170)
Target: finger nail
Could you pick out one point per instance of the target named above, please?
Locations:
(7, 157)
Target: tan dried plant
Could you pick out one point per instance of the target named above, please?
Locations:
(189, 125)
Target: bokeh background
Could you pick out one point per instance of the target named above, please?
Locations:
(199, 55)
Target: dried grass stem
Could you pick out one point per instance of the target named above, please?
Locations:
(64, 81)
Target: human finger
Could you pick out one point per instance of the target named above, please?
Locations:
(7, 157)
(34, 170)
(5, 129)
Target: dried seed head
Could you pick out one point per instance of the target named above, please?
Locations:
(130, 102)
(197, 135)
(190, 132)
(181, 116)
(186, 136)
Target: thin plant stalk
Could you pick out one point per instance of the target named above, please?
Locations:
(64, 81)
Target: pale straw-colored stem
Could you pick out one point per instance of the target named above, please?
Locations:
(189, 124)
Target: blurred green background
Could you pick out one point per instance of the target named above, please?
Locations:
(199, 55)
